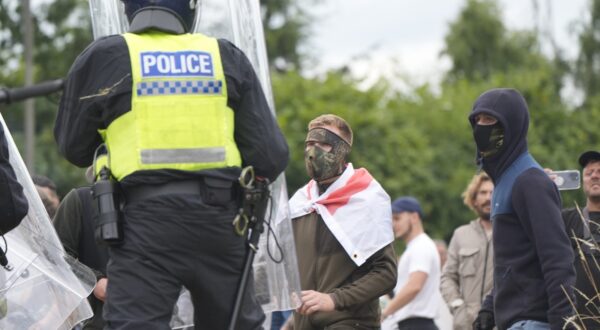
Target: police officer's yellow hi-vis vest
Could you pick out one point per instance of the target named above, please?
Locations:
(179, 117)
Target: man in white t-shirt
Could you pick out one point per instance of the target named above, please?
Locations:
(416, 296)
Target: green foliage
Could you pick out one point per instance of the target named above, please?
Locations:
(414, 142)
(286, 24)
(9, 32)
(588, 62)
(418, 142)
(66, 32)
(479, 44)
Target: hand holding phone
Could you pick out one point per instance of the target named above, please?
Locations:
(566, 180)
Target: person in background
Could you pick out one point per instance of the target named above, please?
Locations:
(583, 227)
(533, 259)
(75, 225)
(468, 275)
(46, 188)
(343, 233)
(417, 299)
(443, 319)
(442, 249)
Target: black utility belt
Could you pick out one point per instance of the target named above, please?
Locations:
(210, 190)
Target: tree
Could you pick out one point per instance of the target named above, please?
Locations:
(287, 28)
(414, 142)
(62, 30)
(479, 44)
(587, 65)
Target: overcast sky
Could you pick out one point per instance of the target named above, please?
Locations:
(410, 33)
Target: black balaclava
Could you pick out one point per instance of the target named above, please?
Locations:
(320, 164)
(499, 145)
(489, 139)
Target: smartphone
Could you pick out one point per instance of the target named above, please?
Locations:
(566, 180)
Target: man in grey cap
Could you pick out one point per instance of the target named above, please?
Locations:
(417, 295)
(583, 225)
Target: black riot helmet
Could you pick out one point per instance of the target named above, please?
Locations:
(184, 10)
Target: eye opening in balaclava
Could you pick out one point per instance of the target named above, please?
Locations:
(321, 164)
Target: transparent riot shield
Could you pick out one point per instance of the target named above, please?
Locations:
(276, 277)
(41, 287)
(108, 17)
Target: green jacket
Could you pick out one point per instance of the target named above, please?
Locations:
(325, 267)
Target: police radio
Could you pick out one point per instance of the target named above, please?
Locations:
(108, 223)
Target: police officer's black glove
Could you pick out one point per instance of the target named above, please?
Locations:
(484, 321)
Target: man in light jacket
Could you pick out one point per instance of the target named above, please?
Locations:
(467, 276)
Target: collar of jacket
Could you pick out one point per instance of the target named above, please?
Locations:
(153, 18)
(478, 228)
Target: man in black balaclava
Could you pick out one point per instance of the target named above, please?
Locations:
(533, 271)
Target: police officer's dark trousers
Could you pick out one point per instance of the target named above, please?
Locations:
(170, 241)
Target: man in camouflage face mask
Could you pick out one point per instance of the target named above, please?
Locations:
(325, 151)
(342, 222)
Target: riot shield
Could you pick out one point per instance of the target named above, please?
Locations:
(277, 282)
(108, 17)
(41, 287)
(276, 278)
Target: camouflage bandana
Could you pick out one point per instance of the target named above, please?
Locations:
(320, 164)
(489, 139)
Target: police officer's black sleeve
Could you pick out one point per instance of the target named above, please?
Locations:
(257, 134)
(97, 90)
(13, 204)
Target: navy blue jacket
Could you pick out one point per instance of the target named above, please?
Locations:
(13, 204)
(532, 254)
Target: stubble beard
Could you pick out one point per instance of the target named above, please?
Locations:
(407, 233)
(485, 216)
(591, 193)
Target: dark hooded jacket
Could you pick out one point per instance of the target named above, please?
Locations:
(532, 253)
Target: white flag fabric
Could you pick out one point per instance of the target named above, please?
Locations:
(355, 208)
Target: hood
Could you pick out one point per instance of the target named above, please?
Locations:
(510, 108)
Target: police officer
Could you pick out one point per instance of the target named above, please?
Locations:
(180, 115)
(13, 204)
